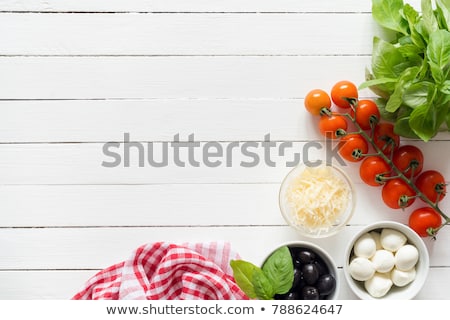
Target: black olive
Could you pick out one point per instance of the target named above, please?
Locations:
(310, 273)
(306, 256)
(297, 263)
(321, 267)
(298, 277)
(310, 293)
(326, 284)
(294, 295)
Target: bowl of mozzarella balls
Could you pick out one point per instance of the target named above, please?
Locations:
(386, 260)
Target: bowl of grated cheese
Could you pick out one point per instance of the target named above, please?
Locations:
(318, 201)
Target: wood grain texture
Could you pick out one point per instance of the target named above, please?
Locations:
(264, 77)
(46, 121)
(47, 284)
(76, 74)
(231, 6)
(156, 205)
(97, 248)
(74, 163)
(185, 34)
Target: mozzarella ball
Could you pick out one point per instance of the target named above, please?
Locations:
(402, 278)
(365, 246)
(383, 261)
(378, 285)
(361, 269)
(376, 236)
(391, 239)
(406, 257)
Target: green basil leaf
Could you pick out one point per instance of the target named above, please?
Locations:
(263, 286)
(385, 58)
(243, 273)
(438, 53)
(374, 82)
(410, 51)
(388, 116)
(443, 12)
(402, 128)
(423, 122)
(430, 23)
(279, 269)
(446, 87)
(438, 50)
(412, 16)
(417, 94)
(396, 98)
(382, 89)
(388, 15)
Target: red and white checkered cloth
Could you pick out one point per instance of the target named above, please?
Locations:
(166, 271)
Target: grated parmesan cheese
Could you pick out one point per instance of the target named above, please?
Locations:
(317, 197)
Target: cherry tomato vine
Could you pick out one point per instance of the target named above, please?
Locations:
(398, 169)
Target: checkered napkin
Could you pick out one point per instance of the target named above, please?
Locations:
(166, 271)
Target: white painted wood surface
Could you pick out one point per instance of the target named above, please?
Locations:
(77, 74)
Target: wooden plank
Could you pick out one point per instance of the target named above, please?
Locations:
(157, 120)
(263, 77)
(179, 5)
(62, 285)
(168, 205)
(82, 163)
(185, 34)
(42, 285)
(139, 205)
(97, 248)
(191, 6)
(154, 120)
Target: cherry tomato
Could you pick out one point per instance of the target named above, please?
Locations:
(385, 138)
(423, 218)
(409, 160)
(396, 193)
(372, 168)
(316, 100)
(432, 184)
(353, 147)
(365, 111)
(329, 124)
(342, 90)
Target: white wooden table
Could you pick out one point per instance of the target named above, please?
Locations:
(77, 74)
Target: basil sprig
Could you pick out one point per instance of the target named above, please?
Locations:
(411, 72)
(275, 277)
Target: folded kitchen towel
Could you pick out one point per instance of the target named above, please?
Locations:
(167, 271)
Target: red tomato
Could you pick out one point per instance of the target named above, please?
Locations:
(329, 124)
(365, 111)
(353, 147)
(385, 138)
(396, 194)
(372, 168)
(316, 100)
(409, 160)
(432, 184)
(423, 218)
(343, 90)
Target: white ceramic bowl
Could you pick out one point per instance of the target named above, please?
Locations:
(323, 255)
(290, 216)
(395, 293)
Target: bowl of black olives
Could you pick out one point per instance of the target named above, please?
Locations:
(315, 273)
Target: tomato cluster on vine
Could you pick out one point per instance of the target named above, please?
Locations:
(384, 162)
